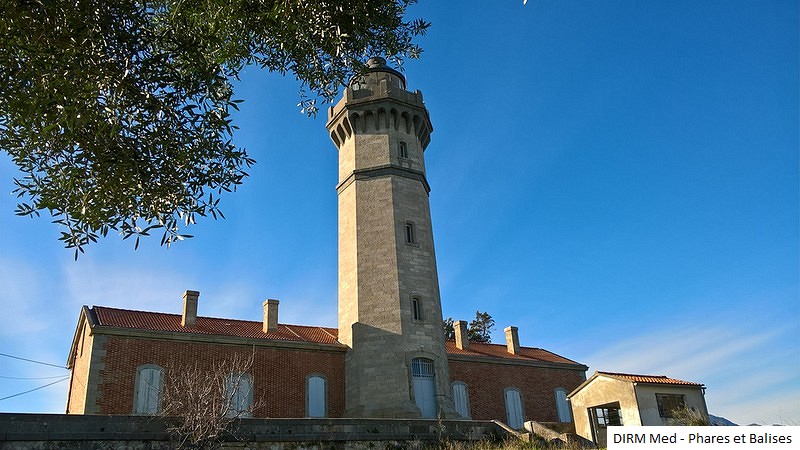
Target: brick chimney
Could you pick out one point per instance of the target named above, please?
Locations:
(462, 339)
(512, 340)
(271, 315)
(189, 308)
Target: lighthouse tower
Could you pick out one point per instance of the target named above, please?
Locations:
(390, 313)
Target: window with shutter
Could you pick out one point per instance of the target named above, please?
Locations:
(316, 394)
(514, 412)
(461, 398)
(147, 398)
(239, 395)
(562, 406)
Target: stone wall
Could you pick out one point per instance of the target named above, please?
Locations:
(78, 389)
(73, 432)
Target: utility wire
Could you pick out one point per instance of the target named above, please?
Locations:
(32, 361)
(34, 389)
(31, 378)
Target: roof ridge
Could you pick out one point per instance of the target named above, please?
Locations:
(633, 374)
(221, 326)
(653, 379)
(325, 330)
(206, 317)
(289, 327)
(504, 345)
(131, 310)
(521, 348)
(554, 354)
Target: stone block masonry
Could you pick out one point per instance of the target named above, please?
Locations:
(386, 257)
(77, 432)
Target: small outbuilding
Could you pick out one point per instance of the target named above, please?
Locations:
(608, 399)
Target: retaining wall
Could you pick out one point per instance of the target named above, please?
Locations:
(86, 432)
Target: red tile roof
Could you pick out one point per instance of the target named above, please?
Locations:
(501, 351)
(650, 379)
(145, 320)
(154, 321)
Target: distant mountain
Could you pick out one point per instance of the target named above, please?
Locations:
(721, 421)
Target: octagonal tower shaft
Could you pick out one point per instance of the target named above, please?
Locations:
(390, 312)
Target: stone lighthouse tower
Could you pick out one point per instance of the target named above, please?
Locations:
(390, 314)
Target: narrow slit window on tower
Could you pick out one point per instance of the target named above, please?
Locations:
(411, 237)
(416, 309)
(402, 150)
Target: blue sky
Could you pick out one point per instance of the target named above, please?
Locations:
(618, 179)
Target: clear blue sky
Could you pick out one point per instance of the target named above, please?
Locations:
(618, 179)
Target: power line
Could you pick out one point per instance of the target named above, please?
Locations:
(32, 361)
(34, 389)
(31, 378)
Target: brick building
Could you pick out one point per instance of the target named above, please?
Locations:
(113, 347)
(387, 357)
(296, 371)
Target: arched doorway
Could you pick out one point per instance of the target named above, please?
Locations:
(424, 387)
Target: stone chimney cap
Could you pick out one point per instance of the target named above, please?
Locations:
(461, 334)
(189, 316)
(512, 340)
(270, 315)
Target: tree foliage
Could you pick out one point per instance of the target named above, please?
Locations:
(118, 113)
(449, 328)
(479, 330)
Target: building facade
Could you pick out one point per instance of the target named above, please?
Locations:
(610, 398)
(122, 359)
(388, 357)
